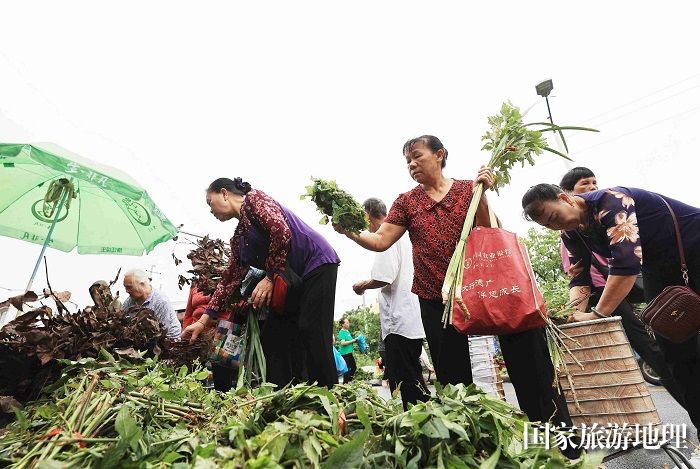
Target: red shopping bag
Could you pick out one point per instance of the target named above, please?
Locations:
(499, 289)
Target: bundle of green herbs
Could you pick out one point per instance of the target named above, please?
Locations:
(253, 365)
(337, 205)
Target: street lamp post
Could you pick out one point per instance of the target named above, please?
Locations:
(543, 89)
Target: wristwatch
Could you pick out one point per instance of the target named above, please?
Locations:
(598, 313)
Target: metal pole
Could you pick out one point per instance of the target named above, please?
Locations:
(549, 110)
(190, 234)
(560, 145)
(48, 239)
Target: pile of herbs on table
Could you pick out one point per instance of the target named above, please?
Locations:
(110, 413)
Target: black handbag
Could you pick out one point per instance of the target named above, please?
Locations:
(675, 312)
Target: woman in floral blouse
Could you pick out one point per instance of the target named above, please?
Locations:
(621, 224)
(433, 214)
(579, 181)
(297, 344)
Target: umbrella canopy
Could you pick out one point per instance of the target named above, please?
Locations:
(110, 214)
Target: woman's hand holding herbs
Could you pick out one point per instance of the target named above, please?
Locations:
(193, 330)
(340, 229)
(486, 177)
(353, 236)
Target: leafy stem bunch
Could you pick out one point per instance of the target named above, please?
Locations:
(336, 205)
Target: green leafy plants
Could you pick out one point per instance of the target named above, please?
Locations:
(109, 413)
(253, 365)
(337, 205)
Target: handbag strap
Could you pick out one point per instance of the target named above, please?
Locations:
(679, 240)
(604, 271)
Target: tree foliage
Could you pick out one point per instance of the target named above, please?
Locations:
(363, 320)
(544, 249)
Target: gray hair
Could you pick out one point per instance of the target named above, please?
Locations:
(139, 275)
(375, 207)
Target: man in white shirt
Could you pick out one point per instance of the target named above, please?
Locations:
(141, 293)
(399, 311)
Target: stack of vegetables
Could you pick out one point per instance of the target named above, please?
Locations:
(31, 344)
(109, 413)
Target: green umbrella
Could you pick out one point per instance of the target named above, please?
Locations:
(53, 197)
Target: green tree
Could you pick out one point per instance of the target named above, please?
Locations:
(364, 321)
(543, 247)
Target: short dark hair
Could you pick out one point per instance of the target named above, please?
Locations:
(235, 185)
(430, 141)
(569, 180)
(536, 196)
(375, 207)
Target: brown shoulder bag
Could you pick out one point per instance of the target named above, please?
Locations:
(675, 312)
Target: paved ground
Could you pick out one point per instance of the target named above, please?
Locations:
(669, 411)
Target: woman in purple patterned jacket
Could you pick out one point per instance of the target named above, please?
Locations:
(297, 343)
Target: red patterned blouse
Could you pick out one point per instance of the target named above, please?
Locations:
(434, 229)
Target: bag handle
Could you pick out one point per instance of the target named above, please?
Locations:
(493, 220)
(679, 241)
(605, 271)
(596, 263)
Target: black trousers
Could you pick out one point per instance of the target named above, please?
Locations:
(644, 345)
(223, 377)
(382, 355)
(682, 358)
(298, 345)
(448, 348)
(531, 372)
(404, 370)
(352, 367)
(526, 355)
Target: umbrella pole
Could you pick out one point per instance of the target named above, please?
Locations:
(48, 239)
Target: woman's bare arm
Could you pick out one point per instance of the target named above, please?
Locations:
(381, 240)
(616, 290)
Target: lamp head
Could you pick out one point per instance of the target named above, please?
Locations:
(544, 88)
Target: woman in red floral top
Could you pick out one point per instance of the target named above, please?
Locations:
(297, 343)
(196, 303)
(433, 214)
